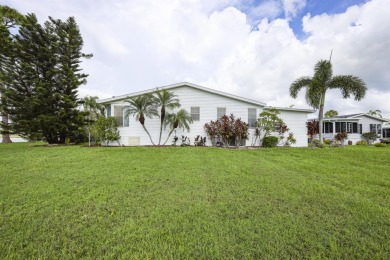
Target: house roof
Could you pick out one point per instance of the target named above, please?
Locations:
(353, 117)
(209, 90)
(182, 84)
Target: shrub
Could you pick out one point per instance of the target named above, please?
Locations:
(385, 141)
(361, 142)
(327, 141)
(341, 137)
(380, 145)
(369, 136)
(314, 143)
(270, 141)
(227, 128)
(106, 130)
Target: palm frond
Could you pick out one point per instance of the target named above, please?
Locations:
(323, 71)
(349, 85)
(298, 84)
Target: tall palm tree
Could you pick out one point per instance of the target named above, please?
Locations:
(376, 113)
(141, 107)
(181, 119)
(323, 80)
(166, 100)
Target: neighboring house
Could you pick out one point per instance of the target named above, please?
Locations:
(205, 105)
(386, 131)
(354, 125)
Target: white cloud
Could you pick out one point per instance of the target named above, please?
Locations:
(293, 7)
(140, 44)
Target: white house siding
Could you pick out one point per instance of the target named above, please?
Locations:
(189, 97)
(208, 104)
(296, 122)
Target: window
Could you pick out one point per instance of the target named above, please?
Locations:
(195, 113)
(360, 129)
(373, 128)
(376, 128)
(126, 118)
(220, 112)
(341, 127)
(108, 110)
(386, 132)
(328, 127)
(252, 117)
(118, 114)
(277, 127)
(348, 127)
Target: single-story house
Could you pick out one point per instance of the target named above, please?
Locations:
(354, 125)
(386, 131)
(204, 104)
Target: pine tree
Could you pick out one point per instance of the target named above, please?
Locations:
(43, 77)
(9, 19)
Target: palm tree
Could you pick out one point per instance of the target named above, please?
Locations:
(181, 119)
(376, 113)
(94, 110)
(331, 113)
(323, 80)
(166, 100)
(141, 107)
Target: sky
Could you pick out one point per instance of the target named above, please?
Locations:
(251, 48)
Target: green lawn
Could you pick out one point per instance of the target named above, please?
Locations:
(207, 203)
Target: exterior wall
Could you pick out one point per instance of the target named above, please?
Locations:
(296, 122)
(208, 103)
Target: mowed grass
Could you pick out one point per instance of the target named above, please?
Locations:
(76, 202)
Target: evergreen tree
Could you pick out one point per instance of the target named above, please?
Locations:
(9, 19)
(42, 79)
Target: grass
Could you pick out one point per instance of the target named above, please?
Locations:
(205, 203)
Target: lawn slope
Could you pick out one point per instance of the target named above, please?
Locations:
(187, 202)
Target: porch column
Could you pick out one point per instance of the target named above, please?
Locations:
(334, 129)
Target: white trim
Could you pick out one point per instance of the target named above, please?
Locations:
(308, 111)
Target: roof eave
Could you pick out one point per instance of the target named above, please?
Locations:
(302, 110)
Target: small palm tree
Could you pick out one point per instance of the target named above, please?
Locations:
(141, 107)
(166, 100)
(376, 113)
(94, 110)
(323, 80)
(181, 119)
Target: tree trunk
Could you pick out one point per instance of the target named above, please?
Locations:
(161, 123)
(146, 130)
(169, 135)
(5, 136)
(321, 118)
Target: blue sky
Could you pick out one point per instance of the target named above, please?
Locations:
(314, 7)
(254, 49)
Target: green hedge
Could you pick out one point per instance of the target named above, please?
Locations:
(270, 141)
